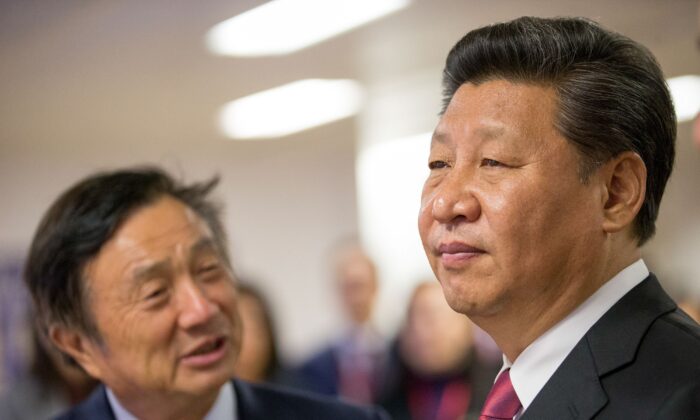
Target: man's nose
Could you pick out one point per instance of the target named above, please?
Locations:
(454, 200)
(195, 306)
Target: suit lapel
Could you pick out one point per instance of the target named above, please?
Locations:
(575, 391)
(246, 406)
(615, 338)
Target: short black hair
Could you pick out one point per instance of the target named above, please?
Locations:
(83, 219)
(612, 96)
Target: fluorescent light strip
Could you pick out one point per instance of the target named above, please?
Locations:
(285, 26)
(290, 108)
(685, 91)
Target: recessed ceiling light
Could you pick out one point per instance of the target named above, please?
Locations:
(685, 91)
(290, 108)
(285, 26)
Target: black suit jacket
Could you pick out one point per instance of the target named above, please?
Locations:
(641, 360)
(254, 402)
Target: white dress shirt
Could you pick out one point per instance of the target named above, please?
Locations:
(223, 409)
(538, 362)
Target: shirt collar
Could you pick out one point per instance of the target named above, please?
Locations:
(538, 362)
(223, 409)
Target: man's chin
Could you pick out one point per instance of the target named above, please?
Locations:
(472, 303)
(200, 383)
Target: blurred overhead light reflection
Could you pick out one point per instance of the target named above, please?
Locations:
(390, 177)
(290, 108)
(285, 26)
(685, 91)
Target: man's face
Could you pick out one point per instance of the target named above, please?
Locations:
(357, 284)
(164, 302)
(505, 221)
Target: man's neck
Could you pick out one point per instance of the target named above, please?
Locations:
(515, 328)
(166, 406)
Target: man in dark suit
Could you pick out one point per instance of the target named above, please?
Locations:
(351, 366)
(546, 173)
(130, 276)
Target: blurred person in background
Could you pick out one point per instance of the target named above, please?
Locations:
(258, 360)
(691, 307)
(434, 372)
(547, 169)
(131, 278)
(688, 298)
(50, 387)
(350, 366)
(687, 294)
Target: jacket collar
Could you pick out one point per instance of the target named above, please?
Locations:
(574, 391)
(95, 407)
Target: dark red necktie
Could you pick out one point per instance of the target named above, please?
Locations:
(502, 402)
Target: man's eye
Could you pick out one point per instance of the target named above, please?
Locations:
(437, 164)
(209, 272)
(491, 163)
(154, 294)
(208, 268)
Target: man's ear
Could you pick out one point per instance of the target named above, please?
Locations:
(76, 345)
(625, 182)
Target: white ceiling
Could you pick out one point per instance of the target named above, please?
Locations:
(134, 71)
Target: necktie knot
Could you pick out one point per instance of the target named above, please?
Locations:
(502, 402)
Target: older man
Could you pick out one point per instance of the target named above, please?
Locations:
(130, 275)
(546, 173)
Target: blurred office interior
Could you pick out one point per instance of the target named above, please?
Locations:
(91, 85)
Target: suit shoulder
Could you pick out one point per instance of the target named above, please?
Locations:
(683, 323)
(259, 401)
(76, 413)
(679, 328)
(325, 355)
(95, 406)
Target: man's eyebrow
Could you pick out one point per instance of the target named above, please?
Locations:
(143, 273)
(140, 274)
(204, 244)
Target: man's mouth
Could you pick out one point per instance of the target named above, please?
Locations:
(209, 347)
(455, 255)
(206, 353)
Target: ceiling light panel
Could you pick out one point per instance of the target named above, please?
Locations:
(285, 26)
(290, 108)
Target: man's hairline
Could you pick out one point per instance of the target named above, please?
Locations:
(583, 162)
(89, 327)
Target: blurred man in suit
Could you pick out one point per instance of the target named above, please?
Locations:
(352, 365)
(546, 174)
(130, 275)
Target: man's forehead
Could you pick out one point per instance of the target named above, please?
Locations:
(166, 216)
(493, 109)
(486, 130)
(500, 95)
(142, 268)
(153, 232)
